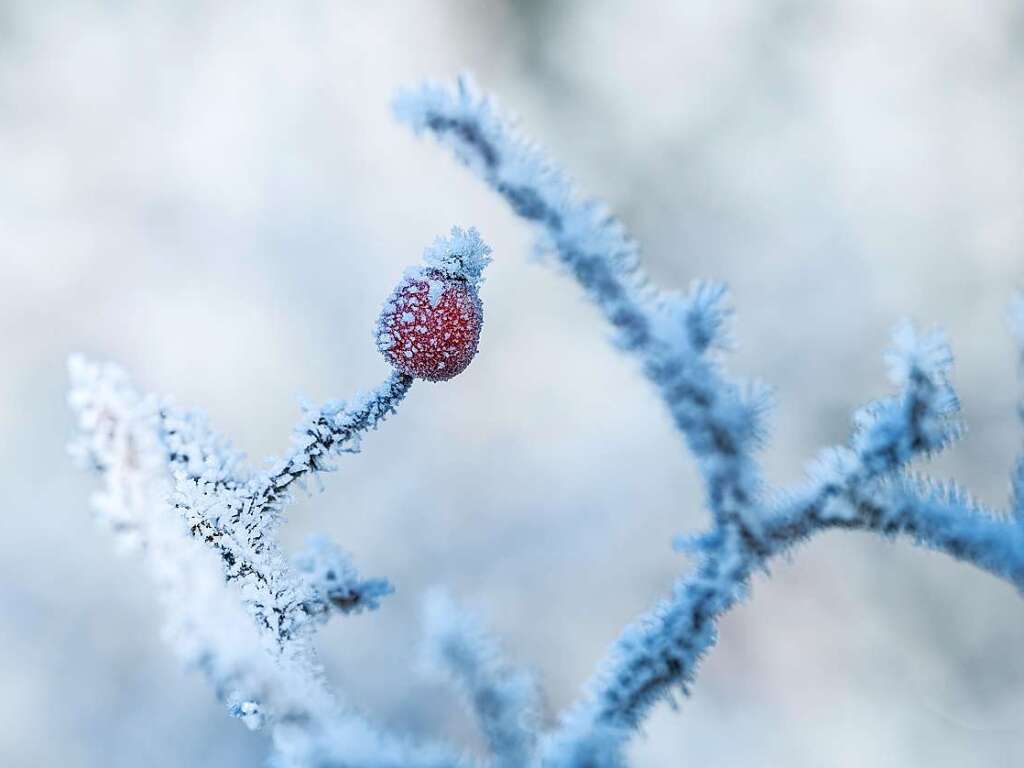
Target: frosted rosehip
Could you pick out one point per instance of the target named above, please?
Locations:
(430, 326)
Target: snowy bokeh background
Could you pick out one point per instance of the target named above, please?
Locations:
(215, 195)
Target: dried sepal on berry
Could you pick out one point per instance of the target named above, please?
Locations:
(430, 326)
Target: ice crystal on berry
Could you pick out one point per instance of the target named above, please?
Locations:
(462, 255)
(430, 325)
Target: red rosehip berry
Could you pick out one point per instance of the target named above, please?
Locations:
(430, 326)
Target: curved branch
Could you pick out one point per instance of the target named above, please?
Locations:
(663, 649)
(849, 489)
(940, 518)
(859, 487)
(674, 337)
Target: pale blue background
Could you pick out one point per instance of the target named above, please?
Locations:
(215, 195)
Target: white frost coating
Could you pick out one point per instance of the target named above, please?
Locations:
(120, 436)
(435, 289)
(463, 254)
(125, 436)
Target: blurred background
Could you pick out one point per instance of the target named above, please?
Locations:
(216, 196)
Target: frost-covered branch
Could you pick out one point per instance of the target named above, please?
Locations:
(663, 649)
(938, 516)
(503, 699)
(120, 437)
(334, 583)
(333, 429)
(862, 486)
(675, 337)
(238, 515)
